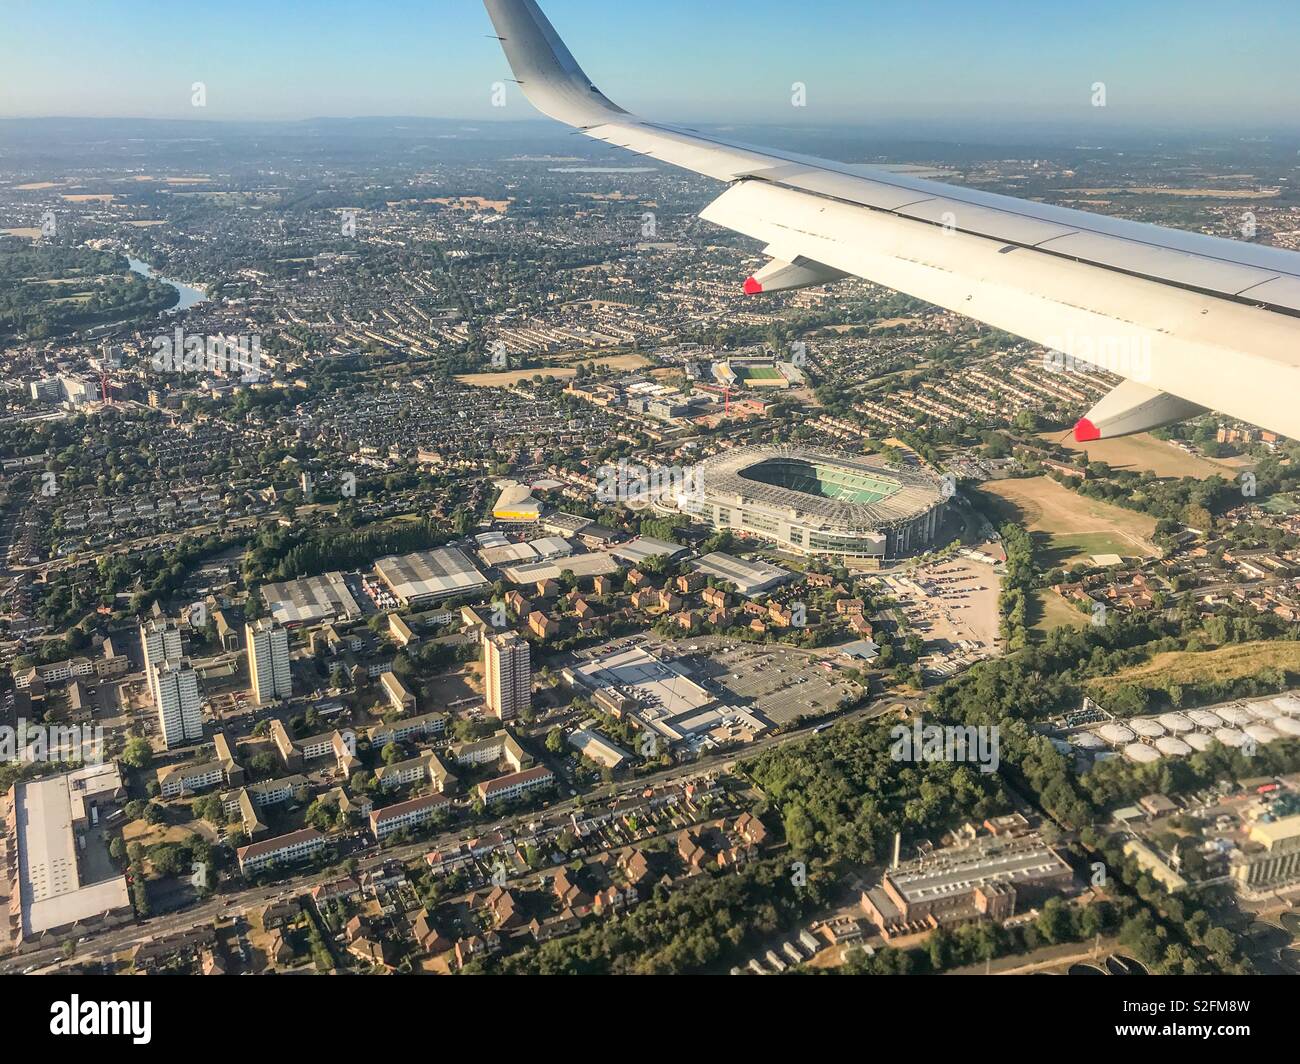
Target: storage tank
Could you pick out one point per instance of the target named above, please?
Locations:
(1176, 723)
(1146, 727)
(1288, 726)
(1235, 715)
(1204, 718)
(1230, 736)
(1262, 733)
(1199, 740)
(1087, 741)
(1262, 710)
(1141, 753)
(1171, 747)
(1288, 704)
(1115, 734)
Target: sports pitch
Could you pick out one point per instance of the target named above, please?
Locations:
(756, 373)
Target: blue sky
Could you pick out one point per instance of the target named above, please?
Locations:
(1191, 63)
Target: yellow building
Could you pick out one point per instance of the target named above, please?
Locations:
(516, 503)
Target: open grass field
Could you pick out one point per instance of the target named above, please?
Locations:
(1052, 611)
(1145, 452)
(509, 377)
(151, 834)
(1207, 666)
(1090, 543)
(1075, 527)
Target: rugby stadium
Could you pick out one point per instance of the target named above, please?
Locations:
(818, 502)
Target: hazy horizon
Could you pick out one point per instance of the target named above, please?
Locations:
(1168, 65)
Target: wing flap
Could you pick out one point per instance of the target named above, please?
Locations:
(984, 221)
(1279, 292)
(1145, 260)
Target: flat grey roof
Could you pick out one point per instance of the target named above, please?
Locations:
(426, 574)
(310, 599)
(49, 872)
(749, 577)
(597, 564)
(943, 874)
(665, 689)
(643, 547)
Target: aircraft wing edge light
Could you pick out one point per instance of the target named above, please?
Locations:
(1132, 407)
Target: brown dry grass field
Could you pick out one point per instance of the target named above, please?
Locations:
(509, 377)
(472, 203)
(1145, 452)
(1076, 526)
(1191, 667)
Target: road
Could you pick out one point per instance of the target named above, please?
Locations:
(104, 945)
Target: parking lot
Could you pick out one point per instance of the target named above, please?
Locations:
(780, 682)
(952, 605)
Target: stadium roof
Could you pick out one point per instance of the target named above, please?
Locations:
(430, 574)
(914, 491)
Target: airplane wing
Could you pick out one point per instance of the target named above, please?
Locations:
(1192, 322)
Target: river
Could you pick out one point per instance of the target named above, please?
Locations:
(189, 296)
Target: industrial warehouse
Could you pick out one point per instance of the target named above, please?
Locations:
(819, 502)
(429, 576)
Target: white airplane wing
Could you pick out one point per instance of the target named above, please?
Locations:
(1192, 322)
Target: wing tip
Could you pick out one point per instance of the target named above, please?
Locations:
(1085, 431)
